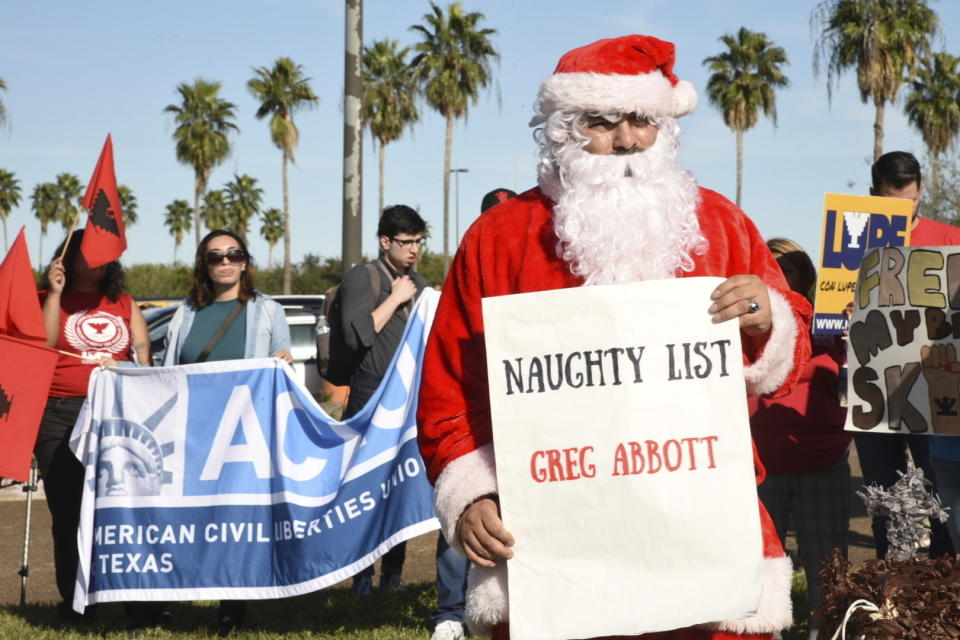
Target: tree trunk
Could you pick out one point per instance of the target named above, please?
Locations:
(40, 251)
(175, 246)
(6, 245)
(448, 146)
(270, 255)
(878, 131)
(198, 189)
(380, 156)
(287, 271)
(739, 164)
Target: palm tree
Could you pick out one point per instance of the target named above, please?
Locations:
(177, 220)
(271, 229)
(128, 204)
(69, 194)
(214, 213)
(881, 39)
(453, 64)
(743, 81)
(44, 204)
(282, 91)
(243, 198)
(204, 120)
(933, 107)
(9, 198)
(389, 96)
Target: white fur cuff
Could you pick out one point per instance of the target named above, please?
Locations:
(775, 611)
(460, 483)
(775, 363)
(487, 602)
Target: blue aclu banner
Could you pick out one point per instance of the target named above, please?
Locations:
(225, 480)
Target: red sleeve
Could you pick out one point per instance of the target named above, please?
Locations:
(454, 408)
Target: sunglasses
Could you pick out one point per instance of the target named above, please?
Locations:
(234, 256)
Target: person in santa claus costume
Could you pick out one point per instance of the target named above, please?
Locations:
(612, 206)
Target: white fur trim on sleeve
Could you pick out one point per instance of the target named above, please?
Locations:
(776, 361)
(487, 602)
(775, 611)
(461, 482)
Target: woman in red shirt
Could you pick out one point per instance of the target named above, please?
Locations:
(87, 314)
(802, 444)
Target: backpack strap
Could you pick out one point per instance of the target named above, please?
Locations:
(374, 269)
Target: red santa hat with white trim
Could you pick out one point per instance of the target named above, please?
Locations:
(630, 74)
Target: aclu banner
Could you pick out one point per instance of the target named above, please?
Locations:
(226, 480)
(904, 335)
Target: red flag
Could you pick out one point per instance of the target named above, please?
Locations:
(20, 313)
(104, 238)
(24, 384)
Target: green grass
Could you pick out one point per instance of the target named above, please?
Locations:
(333, 613)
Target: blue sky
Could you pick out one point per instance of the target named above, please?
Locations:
(77, 71)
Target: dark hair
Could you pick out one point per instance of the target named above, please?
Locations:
(400, 218)
(495, 197)
(792, 253)
(896, 169)
(111, 283)
(201, 290)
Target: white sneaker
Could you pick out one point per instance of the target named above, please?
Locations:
(448, 630)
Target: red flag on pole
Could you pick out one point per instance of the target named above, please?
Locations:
(104, 238)
(24, 385)
(20, 313)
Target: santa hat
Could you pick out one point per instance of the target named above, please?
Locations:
(630, 74)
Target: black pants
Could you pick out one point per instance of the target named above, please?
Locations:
(62, 477)
(881, 456)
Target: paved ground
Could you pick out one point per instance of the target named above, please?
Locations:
(41, 587)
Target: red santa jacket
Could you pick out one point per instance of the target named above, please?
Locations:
(512, 249)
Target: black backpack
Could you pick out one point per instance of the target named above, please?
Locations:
(336, 362)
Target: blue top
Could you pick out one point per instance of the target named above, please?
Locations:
(266, 333)
(206, 323)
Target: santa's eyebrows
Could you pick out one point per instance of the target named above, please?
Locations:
(595, 117)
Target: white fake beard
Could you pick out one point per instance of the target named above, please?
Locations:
(625, 218)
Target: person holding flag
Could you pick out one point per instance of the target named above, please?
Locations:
(92, 322)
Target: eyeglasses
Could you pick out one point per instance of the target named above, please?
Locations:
(406, 243)
(234, 256)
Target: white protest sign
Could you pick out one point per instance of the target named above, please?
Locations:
(904, 339)
(624, 461)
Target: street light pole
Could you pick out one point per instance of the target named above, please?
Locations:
(458, 172)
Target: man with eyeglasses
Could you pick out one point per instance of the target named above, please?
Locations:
(373, 324)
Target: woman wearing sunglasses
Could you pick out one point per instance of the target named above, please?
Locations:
(225, 318)
(223, 304)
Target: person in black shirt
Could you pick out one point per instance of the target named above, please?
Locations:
(373, 324)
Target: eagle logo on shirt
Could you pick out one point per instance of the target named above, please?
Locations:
(95, 333)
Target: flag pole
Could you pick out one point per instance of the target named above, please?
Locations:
(73, 226)
(29, 488)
